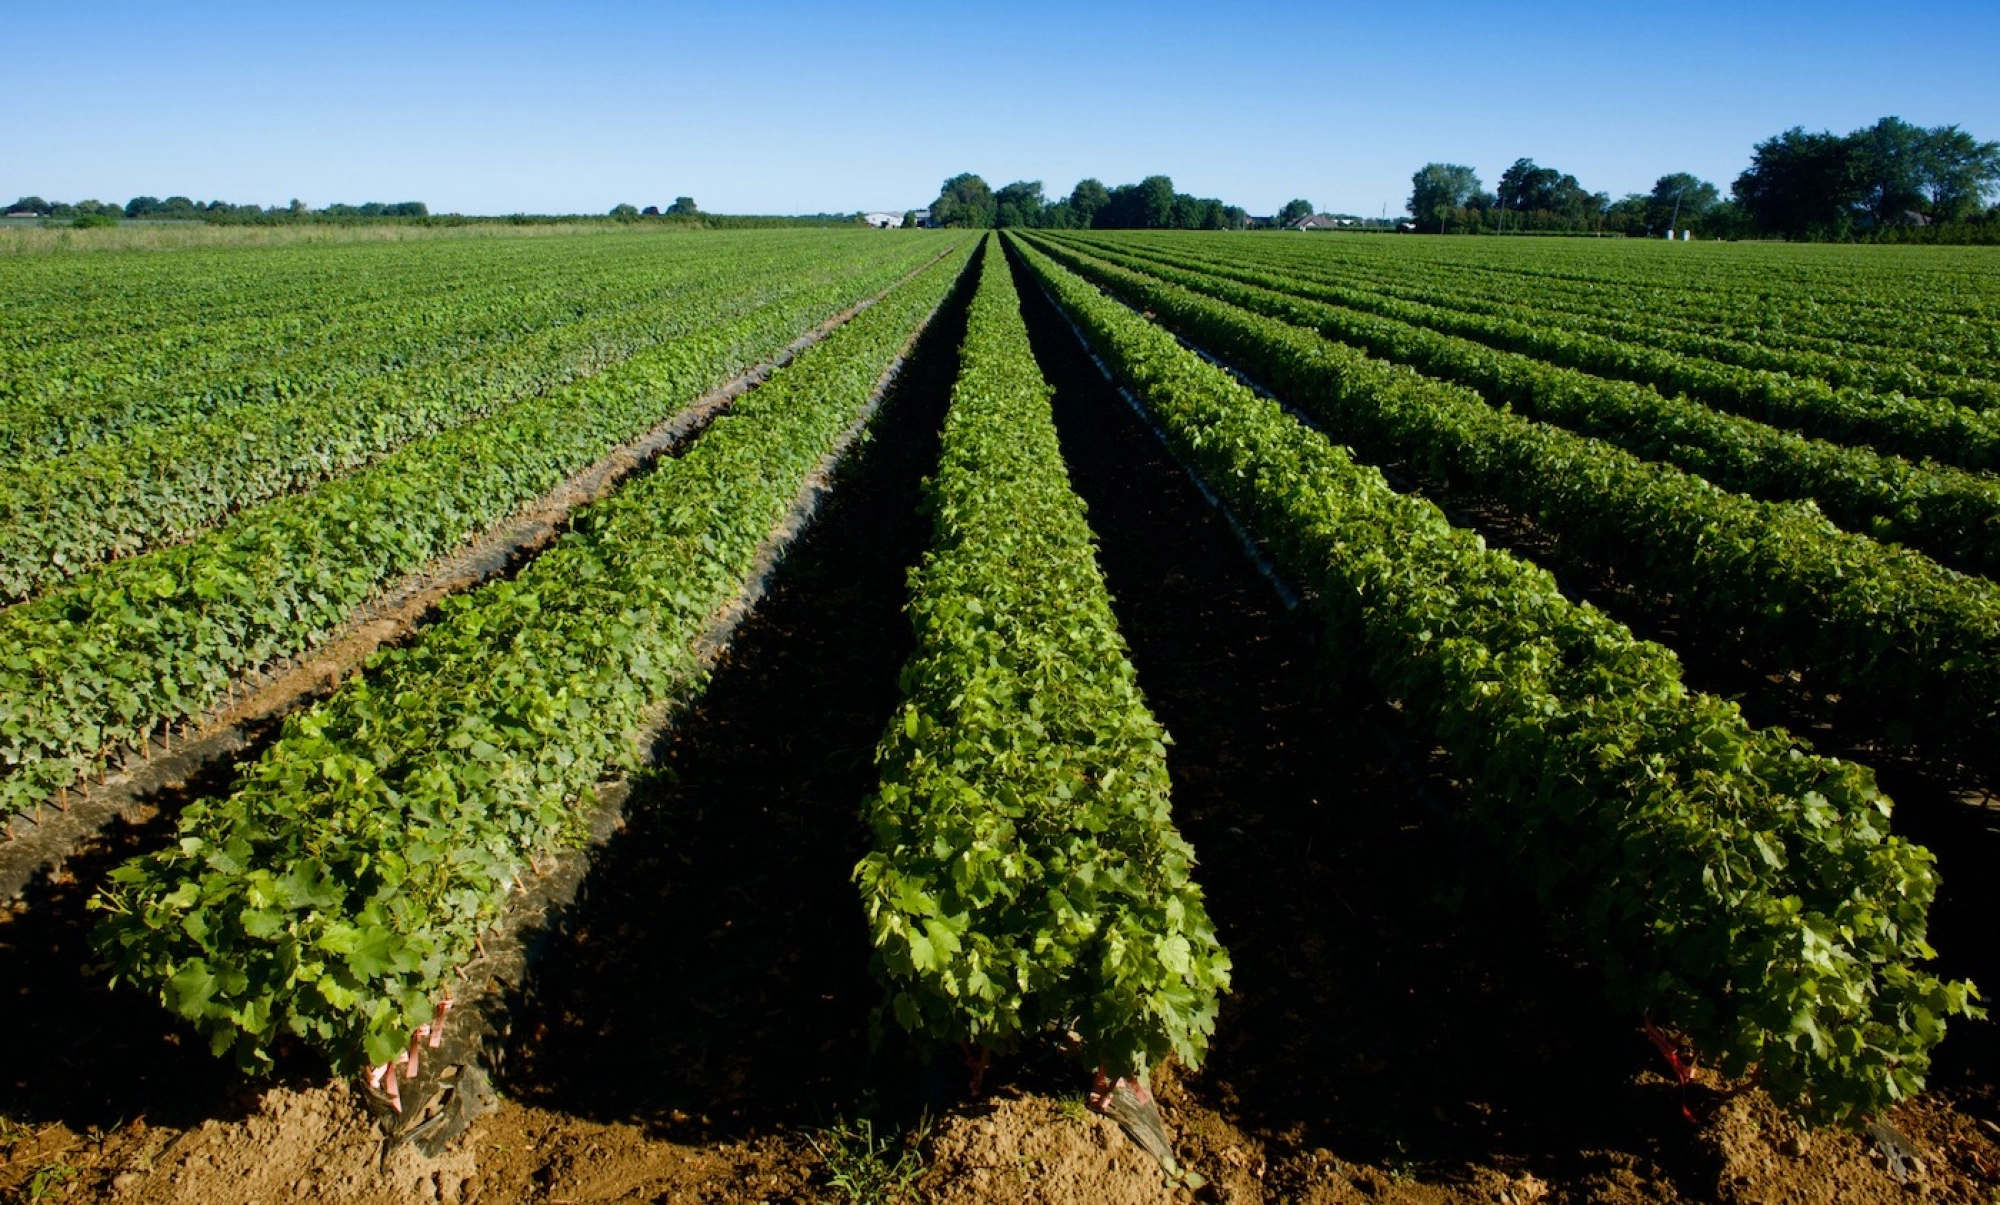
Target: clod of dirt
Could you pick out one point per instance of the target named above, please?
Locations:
(1766, 1160)
(312, 1146)
(1032, 1150)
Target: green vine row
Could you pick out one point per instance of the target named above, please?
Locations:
(1026, 871)
(1728, 883)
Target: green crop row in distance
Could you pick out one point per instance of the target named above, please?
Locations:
(61, 516)
(1729, 883)
(1924, 427)
(109, 347)
(1934, 358)
(1915, 648)
(293, 324)
(1949, 514)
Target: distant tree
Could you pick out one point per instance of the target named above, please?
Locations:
(1627, 215)
(33, 205)
(909, 219)
(1826, 186)
(1528, 186)
(1018, 204)
(624, 212)
(1680, 201)
(1554, 197)
(139, 207)
(1956, 173)
(1727, 220)
(1888, 165)
(1120, 211)
(1438, 188)
(650, 211)
(684, 207)
(1801, 185)
(965, 200)
(1294, 210)
(1189, 212)
(1154, 200)
(1086, 199)
(1059, 215)
(1235, 217)
(87, 220)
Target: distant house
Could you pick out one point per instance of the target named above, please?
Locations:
(1315, 221)
(883, 221)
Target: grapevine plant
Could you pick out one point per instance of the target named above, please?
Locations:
(1026, 871)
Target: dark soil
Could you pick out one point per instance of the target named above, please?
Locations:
(82, 1054)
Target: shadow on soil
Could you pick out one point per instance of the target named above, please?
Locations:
(82, 1053)
(1395, 999)
(713, 981)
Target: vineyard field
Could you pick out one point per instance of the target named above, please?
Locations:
(1124, 715)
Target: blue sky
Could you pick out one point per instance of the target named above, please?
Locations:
(786, 108)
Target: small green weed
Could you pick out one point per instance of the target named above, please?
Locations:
(867, 1168)
(47, 1182)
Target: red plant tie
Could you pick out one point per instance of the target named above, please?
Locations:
(1673, 1057)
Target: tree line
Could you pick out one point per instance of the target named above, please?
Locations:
(1151, 204)
(1891, 180)
(96, 213)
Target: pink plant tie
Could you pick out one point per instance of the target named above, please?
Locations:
(436, 1027)
(1682, 1075)
(1103, 1088)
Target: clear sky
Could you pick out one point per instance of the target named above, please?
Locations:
(782, 107)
